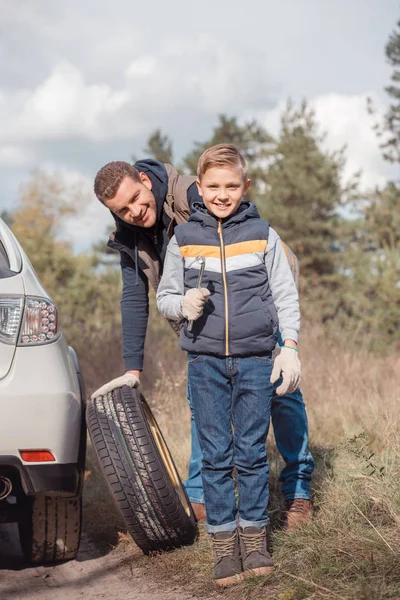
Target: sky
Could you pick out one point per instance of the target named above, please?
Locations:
(86, 82)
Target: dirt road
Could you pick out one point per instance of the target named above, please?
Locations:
(95, 575)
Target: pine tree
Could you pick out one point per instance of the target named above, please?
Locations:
(304, 193)
(159, 146)
(372, 293)
(391, 148)
(252, 140)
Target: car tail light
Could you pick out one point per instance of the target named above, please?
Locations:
(39, 322)
(10, 318)
(36, 455)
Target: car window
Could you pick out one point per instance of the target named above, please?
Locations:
(3, 257)
(4, 264)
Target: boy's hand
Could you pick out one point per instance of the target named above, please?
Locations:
(288, 364)
(130, 378)
(193, 303)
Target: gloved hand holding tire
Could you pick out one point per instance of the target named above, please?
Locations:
(129, 379)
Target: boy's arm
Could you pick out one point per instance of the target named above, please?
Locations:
(283, 288)
(171, 290)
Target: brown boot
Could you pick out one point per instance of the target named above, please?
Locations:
(227, 563)
(298, 512)
(199, 511)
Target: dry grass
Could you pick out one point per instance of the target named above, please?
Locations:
(352, 548)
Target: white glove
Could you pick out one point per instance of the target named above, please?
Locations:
(127, 379)
(193, 303)
(287, 363)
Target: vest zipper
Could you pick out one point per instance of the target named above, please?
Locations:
(225, 286)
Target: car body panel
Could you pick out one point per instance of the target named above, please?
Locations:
(40, 399)
(9, 287)
(40, 393)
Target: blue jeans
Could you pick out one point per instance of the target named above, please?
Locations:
(231, 402)
(289, 420)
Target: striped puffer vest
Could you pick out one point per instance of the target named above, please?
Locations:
(239, 318)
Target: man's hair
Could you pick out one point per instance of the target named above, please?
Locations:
(221, 155)
(109, 178)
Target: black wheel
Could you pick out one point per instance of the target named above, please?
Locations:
(139, 470)
(50, 528)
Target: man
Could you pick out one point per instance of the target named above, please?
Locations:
(147, 200)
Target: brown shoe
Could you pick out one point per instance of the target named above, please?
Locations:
(199, 511)
(298, 512)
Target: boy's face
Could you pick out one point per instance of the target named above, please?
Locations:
(134, 202)
(222, 189)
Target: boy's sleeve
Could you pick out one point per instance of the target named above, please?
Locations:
(172, 289)
(283, 288)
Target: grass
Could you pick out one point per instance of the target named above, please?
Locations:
(351, 550)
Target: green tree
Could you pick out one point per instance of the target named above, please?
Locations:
(391, 147)
(159, 146)
(252, 140)
(372, 292)
(304, 193)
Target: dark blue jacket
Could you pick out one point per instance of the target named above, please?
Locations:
(135, 290)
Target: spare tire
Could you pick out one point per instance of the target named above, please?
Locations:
(140, 471)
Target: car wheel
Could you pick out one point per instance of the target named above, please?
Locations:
(140, 471)
(50, 528)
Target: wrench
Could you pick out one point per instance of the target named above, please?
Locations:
(202, 262)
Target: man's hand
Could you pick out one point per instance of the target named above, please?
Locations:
(287, 363)
(193, 303)
(130, 378)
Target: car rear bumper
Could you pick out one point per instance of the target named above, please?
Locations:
(40, 404)
(49, 479)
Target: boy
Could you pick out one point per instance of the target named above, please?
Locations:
(247, 287)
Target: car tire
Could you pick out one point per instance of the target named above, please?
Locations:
(50, 528)
(140, 471)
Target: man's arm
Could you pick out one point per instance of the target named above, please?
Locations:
(134, 313)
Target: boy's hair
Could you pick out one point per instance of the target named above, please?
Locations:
(109, 178)
(221, 155)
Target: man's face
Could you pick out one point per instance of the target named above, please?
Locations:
(134, 202)
(222, 189)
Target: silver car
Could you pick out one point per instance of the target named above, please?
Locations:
(42, 428)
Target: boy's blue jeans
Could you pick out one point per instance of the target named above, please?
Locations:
(289, 420)
(231, 403)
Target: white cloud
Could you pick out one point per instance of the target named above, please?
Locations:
(346, 122)
(91, 220)
(14, 156)
(141, 67)
(90, 226)
(62, 106)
